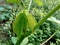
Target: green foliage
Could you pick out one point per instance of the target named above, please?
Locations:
(47, 16)
(31, 21)
(13, 1)
(20, 24)
(52, 43)
(39, 2)
(24, 24)
(14, 40)
(19, 21)
(44, 31)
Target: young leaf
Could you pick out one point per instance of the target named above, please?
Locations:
(19, 24)
(31, 21)
(38, 2)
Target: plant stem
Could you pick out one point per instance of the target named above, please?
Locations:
(29, 5)
(47, 16)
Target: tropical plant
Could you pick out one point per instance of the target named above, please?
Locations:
(25, 23)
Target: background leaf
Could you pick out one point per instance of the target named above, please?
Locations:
(14, 40)
(25, 41)
(38, 2)
(13, 1)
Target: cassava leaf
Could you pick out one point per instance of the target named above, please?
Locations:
(38, 2)
(19, 24)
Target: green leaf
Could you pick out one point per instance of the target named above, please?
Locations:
(13, 1)
(19, 24)
(38, 2)
(25, 41)
(52, 43)
(31, 21)
(58, 40)
(30, 44)
(14, 40)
